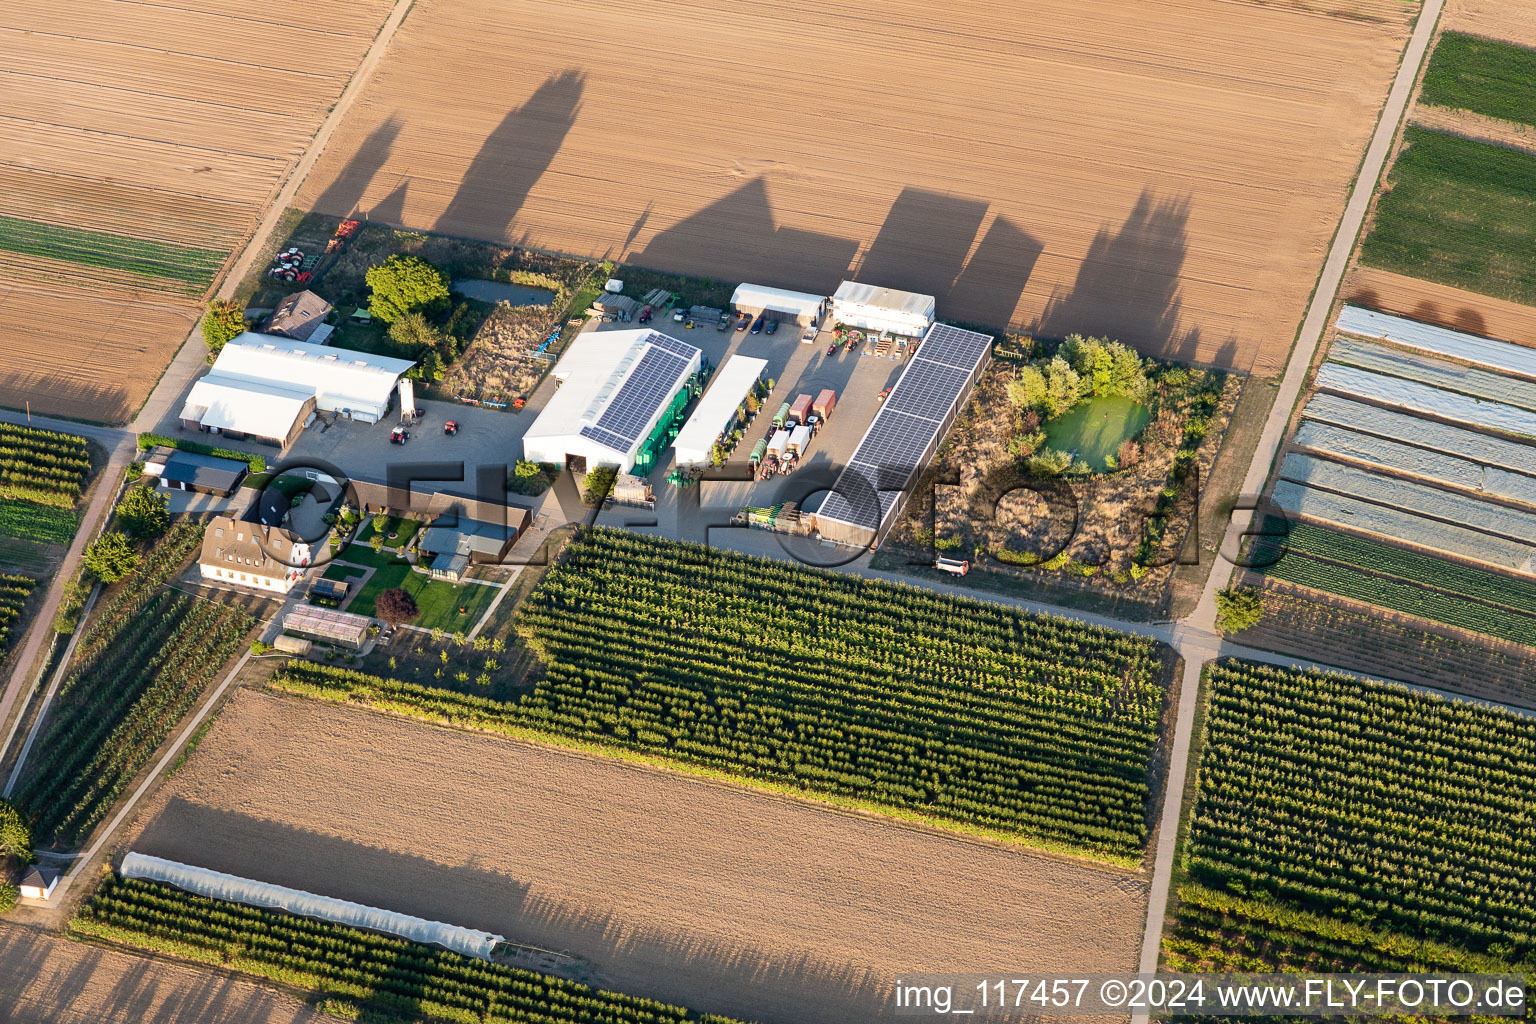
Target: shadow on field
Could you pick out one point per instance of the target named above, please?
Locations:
(513, 158)
(612, 951)
(1128, 285)
(342, 196)
(48, 980)
(51, 393)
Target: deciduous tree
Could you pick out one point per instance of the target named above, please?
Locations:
(395, 606)
(405, 284)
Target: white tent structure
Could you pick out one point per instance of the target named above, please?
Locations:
(615, 386)
(872, 308)
(716, 409)
(219, 886)
(257, 378)
(801, 307)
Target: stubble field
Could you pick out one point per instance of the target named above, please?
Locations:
(661, 885)
(166, 130)
(1168, 173)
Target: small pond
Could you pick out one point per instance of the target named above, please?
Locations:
(1095, 429)
(497, 291)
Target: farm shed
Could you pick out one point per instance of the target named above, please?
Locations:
(299, 316)
(323, 587)
(262, 386)
(328, 626)
(292, 644)
(716, 411)
(872, 308)
(219, 886)
(800, 308)
(252, 555)
(38, 882)
(188, 471)
(619, 392)
(922, 406)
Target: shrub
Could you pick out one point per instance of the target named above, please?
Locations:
(1048, 462)
(144, 512)
(415, 333)
(600, 483)
(15, 836)
(222, 321)
(1238, 608)
(406, 284)
(259, 647)
(111, 556)
(528, 478)
(380, 522)
(395, 606)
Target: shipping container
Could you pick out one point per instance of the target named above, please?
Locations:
(779, 442)
(800, 439)
(801, 409)
(824, 404)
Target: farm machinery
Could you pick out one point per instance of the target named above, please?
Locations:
(294, 266)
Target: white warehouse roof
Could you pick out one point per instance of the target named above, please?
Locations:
(780, 300)
(248, 407)
(890, 299)
(614, 386)
(716, 409)
(342, 380)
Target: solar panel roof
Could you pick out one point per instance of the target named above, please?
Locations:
(649, 386)
(907, 425)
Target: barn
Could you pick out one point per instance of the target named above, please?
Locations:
(869, 307)
(716, 411)
(799, 308)
(264, 388)
(620, 393)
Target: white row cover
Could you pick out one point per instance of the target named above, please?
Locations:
(1483, 448)
(1428, 338)
(1423, 398)
(717, 408)
(1395, 524)
(1406, 459)
(1420, 499)
(217, 885)
(1496, 387)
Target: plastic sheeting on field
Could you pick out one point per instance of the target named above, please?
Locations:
(1420, 499)
(1395, 524)
(217, 885)
(1500, 355)
(1396, 457)
(1484, 448)
(1408, 394)
(1436, 372)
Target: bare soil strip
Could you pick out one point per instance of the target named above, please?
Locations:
(1441, 304)
(661, 885)
(1168, 172)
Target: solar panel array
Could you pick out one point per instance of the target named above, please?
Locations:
(906, 427)
(649, 386)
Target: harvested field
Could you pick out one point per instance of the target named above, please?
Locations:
(49, 980)
(1496, 19)
(662, 885)
(1129, 173)
(87, 354)
(1441, 304)
(160, 130)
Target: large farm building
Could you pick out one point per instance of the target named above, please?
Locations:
(619, 393)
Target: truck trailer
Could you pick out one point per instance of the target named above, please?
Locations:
(824, 404)
(801, 410)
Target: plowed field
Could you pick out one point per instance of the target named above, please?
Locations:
(1496, 19)
(1441, 304)
(659, 884)
(1165, 171)
(165, 125)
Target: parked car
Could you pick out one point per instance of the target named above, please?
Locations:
(744, 322)
(773, 325)
(757, 325)
(646, 312)
(725, 322)
(399, 436)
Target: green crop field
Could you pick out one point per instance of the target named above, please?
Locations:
(28, 520)
(1403, 580)
(1461, 213)
(13, 597)
(191, 269)
(139, 668)
(1484, 76)
(41, 466)
(1341, 822)
(939, 708)
(360, 975)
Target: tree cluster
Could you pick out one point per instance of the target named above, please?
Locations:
(1082, 368)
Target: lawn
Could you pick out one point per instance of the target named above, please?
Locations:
(1484, 76)
(1461, 213)
(444, 606)
(406, 528)
(1095, 429)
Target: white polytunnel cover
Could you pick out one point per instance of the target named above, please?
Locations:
(217, 885)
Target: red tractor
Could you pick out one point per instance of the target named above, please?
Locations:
(451, 427)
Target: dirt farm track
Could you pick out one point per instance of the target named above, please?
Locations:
(721, 899)
(1165, 171)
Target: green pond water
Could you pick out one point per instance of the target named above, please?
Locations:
(1095, 429)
